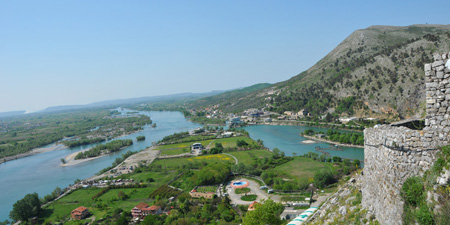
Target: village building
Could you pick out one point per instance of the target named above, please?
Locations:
(303, 113)
(80, 213)
(235, 121)
(143, 209)
(207, 195)
(196, 146)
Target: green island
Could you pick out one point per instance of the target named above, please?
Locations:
(140, 138)
(170, 184)
(109, 147)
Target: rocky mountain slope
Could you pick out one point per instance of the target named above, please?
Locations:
(377, 70)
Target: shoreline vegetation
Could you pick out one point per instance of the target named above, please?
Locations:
(71, 160)
(58, 145)
(35, 151)
(330, 142)
(21, 136)
(336, 137)
(104, 149)
(307, 124)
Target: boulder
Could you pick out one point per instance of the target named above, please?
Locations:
(343, 210)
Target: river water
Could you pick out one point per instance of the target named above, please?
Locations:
(42, 173)
(288, 140)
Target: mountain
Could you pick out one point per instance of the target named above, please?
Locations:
(374, 71)
(12, 113)
(237, 100)
(133, 101)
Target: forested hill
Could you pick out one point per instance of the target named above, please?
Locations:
(235, 100)
(377, 70)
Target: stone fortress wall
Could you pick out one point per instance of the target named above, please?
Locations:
(392, 153)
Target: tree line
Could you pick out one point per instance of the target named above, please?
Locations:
(109, 147)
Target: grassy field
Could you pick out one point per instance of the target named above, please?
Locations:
(231, 142)
(183, 145)
(175, 151)
(226, 143)
(249, 157)
(303, 167)
(207, 189)
(178, 162)
(104, 205)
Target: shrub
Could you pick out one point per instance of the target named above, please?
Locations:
(412, 191)
(356, 162)
(323, 178)
(424, 215)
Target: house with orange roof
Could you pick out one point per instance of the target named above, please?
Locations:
(252, 206)
(143, 209)
(80, 213)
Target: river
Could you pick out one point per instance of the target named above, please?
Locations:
(288, 140)
(42, 173)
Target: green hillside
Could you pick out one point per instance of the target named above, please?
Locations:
(374, 71)
(235, 100)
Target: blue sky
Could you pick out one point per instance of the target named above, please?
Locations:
(78, 52)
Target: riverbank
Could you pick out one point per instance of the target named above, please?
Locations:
(332, 142)
(71, 161)
(304, 123)
(143, 157)
(35, 151)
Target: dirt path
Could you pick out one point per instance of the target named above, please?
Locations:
(235, 159)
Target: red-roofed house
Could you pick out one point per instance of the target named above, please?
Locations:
(143, 209)
(80, 213)
(252, 206)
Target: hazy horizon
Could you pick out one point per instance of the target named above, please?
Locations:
(56, 53)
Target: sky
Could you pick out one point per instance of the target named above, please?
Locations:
(77, 52)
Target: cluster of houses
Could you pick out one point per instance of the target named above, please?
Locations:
(295, 115)
(101, 183)
(210, 112)
(256, 115)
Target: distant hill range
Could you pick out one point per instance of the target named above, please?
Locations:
(12, 113)
(133, 101)
(374, 71)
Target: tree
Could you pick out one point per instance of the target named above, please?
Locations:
(268, 212)
(323, 178)
(26, 208)
(153, 220)
(121, 195)
(123, 219)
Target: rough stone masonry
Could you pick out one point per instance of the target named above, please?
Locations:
(394, 153)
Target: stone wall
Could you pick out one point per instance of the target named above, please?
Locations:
(394, 153)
